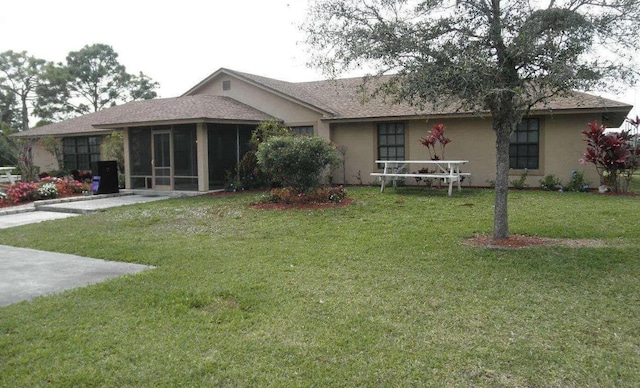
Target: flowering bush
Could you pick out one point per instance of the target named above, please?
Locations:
(65, 186)
(47, 188)
(288, 195)
(22, 192)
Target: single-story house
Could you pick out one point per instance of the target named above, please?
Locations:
(191, 142)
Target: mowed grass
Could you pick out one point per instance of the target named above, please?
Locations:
(383, 292)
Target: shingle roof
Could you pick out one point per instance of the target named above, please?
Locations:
(187, 108)
(349, 99)
(343, 99)
(340, 99)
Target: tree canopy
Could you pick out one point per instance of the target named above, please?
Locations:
(8, 110)
(495, 57)
(19, 78)
(91, 79)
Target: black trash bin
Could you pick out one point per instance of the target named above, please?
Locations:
(108, 173)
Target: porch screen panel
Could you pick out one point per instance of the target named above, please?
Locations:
(227, 145)
(140, 157)
(185, 155)
(223, 153)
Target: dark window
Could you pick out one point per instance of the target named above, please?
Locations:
(303, 131)
(391, 141)
(81, 153)
(226, 85)
(524, 147)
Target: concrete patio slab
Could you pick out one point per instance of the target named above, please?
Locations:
(29, 273)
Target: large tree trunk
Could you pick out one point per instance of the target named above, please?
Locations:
(500, 215)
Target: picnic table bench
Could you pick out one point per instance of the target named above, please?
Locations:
(7, 172)
(447, 170)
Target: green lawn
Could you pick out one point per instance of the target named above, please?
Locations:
(380, 293)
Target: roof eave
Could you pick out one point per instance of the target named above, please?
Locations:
(178, 121)
(98, 131)
(617, 110)
(417, 116)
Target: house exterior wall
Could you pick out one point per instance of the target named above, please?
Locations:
(357, 142)
(473, 139)
(43, 158)
(293, 114)
(47, 162)
(564, 146)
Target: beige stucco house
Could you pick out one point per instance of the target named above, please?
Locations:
(190, 142)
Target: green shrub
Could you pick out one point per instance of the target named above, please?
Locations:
(550, 183)
(296, 161)
(113, 149)
(267, 130)
(520, 183)
(577, 182)
(248, 175)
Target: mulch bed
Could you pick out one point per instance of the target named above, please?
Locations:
(302, 206)
(230, 193)
(517, 241)
(285, 206)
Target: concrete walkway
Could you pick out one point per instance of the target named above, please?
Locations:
(28, 273)
(68, 207)
(31, 217)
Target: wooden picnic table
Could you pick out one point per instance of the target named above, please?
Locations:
(447, 170)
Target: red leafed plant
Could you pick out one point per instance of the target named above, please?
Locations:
(436, 136)
(614, 155)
